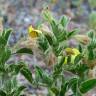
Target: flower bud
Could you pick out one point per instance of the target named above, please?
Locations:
(82, 39)
(45, 29)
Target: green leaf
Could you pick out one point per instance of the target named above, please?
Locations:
(15, 67)
(11, 68)
(58, 67)
(39, 70)
(62, 35)
(3, 33)
(55, 90)
(2, 69)
(37, 76)
(19, 90)
(78, 58)
(72, 81)
(91, 34)
(49, 38)
(27, 74)
(68, 59)
(72, 33)
(80, 48)
(87, 85)
(57, 50)
(81, 68)
(24, 50)
(63, 90)
(54, 27)
(43, 43)
(59, 31)
(2, 41)
(5, 55)
(2, 93)
(7, 34)
(92, 44)
(64, 21)
(90, 54)
(14, 82)
(19, 66)
(73, 84)
(8, 85)
(43, 76)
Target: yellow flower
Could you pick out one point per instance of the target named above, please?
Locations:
(33, 33)
(73, 52)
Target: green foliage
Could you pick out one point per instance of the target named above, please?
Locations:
(87, 85)
(2, 93)
(18, 91)
(4, 37)
(43, 42)
(60, 34)
(24, 50)
(42, 77)
(57, 81)
(9, 72)
(27, 74)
